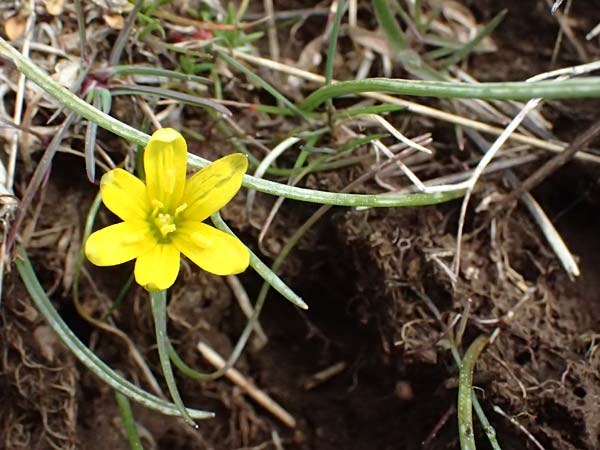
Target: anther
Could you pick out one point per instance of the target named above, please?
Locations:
(180, 209)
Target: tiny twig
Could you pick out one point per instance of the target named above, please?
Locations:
(438, 426)
(242, 297)
(324, 375)
(247, 386)
(514, 421)
(556, 162)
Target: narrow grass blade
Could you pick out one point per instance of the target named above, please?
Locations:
(388, 24)
(333, 36)
(128, 422)
(124, 70)
(515, 90)
(122, 38)
(470, 46)
(262, 83)
(128, 89)
(84, 354)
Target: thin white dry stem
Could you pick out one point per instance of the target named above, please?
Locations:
(251, 139)
(548, 230)
(71, 151)
(510, 314)
(268, 221)
(43, 48)
(572, 71)
(352, 12)
(436, 257)
(556, 5)
(266, 163)
(449, 182)
(276, 440)
(324, 375)
(405, 170)
(20, 99)
(554, 239)
(487, 158)
(247, 386)
(514, 421)
(417, 108)
(365, 65)
(272, 30)
(593, 32)
(149, 113)
(566, 30)
(394, 132)
(244, 301)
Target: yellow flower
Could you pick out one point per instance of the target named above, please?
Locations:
(163, 218)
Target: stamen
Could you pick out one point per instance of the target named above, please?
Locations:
(180, 209)
(157, 204)
(166, 229)
(164, 223)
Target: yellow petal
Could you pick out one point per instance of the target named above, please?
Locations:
(212, 187)
(119, 243)
(165, 162)
(125, 195)
(157, 269)
(211, 249)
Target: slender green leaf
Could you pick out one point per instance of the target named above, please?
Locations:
(516, 90)
(128, 89)
(470, 46)
(84, 354)
(128, 422)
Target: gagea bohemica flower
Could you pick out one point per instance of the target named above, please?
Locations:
(163, 217)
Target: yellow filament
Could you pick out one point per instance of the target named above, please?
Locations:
(180, 209)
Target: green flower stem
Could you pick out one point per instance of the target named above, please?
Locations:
(520, 90)
(159, 311)
(76, 104)
(387, 22)
(335, 198)
(333, 37)
(465, 390)
(128, 422)
(84, 354)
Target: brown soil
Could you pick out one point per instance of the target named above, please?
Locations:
(375, 281)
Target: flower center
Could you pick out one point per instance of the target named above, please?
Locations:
(165, 224)
(164, 221)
